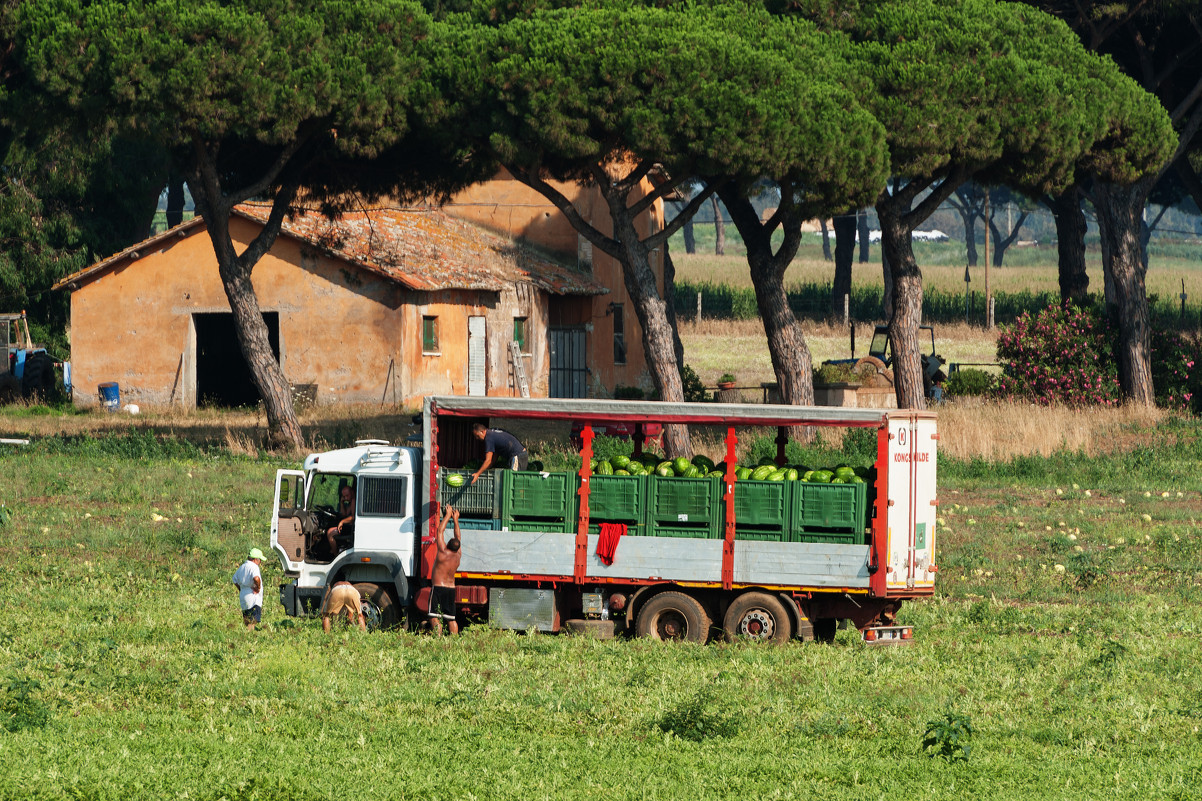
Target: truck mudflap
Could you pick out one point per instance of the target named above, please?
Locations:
(288, 598)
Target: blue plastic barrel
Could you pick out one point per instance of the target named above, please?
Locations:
(110, 395)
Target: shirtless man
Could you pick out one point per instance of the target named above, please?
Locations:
(442, 595)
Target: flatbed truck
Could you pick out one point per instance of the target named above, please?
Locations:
(732, 564)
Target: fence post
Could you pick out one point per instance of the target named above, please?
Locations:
(846, 308)
(989, 322)
(698, 307)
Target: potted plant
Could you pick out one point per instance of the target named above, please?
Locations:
(726, 381)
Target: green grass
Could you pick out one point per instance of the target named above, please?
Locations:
(125, 672)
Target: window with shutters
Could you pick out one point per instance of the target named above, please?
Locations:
(429, 335)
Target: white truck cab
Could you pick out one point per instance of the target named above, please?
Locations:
(377, 552)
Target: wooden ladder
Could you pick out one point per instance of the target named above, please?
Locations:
(519, 368)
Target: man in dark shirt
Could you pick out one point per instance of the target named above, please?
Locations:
(501, 449)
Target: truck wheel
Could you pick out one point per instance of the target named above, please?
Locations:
(757, 616)
(379, 609)
(673, 616)
(597, 629)
(824, 629)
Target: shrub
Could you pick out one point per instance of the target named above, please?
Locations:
(948, 737)
(1063, 354)
(969, 381)
(694, 389)
(630, 393)
(1177, 384)
(692, 719)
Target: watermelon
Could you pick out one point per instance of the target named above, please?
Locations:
(743, 473)
(664, 471)
(636, 469)
(715, 474)
(681, 464)
(619, 462)
(855, 480)
(777, 475)
(621, 472)
(605, 469)
(791, 474)
(767, 460)
(692, 471)
(839, 480)
(703, 463)
(808, 475)
(762, 472)
(821, 476)
(592, 465)
(456, 480)
(843, 471)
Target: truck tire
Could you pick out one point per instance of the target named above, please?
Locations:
(39, 382)
(759, 617)
(673, 616)
(824, 629)
(379, 608)
(596, 629)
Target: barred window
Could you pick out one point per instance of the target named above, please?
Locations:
(382, 496)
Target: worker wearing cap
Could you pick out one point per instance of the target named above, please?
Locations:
(249, 582)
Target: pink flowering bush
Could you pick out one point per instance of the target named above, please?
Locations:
(1063, 354)
(1176, 372)
(1066, 354)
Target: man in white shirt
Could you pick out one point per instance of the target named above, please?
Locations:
(249, 582)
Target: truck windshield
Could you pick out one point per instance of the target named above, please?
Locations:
(326, 487)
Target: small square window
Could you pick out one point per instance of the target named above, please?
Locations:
(519, 334)
(430, 335)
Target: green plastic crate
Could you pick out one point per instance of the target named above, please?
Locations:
(833, 537)
(617, 499)
(632, 529)
(684, 501)
(760, 533)
(528, 495)
(763, 503)
(472, 500)
(475, 524)
(828, 509)
(553, 526)
(668, 529)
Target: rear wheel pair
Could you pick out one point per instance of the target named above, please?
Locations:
(380, 610)
(756, 616)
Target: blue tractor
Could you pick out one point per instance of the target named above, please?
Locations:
(29, 372)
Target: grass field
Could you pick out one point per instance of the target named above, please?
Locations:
(1064, 633)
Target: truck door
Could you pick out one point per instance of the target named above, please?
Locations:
(911, 516)
(287, 536)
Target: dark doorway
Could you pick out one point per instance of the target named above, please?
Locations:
(569, 363)
(222, 375)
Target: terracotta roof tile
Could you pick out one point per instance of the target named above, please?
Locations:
(427, 249)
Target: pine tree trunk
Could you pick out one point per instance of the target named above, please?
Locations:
(1122, 207)
(175, 199)
(719, 228)
(862, 228)
(690, 239)
(845, 251)
(826, 240)
(659, 340)
(283, 427)
(1070, 245)
(970, 238)
(905, 312)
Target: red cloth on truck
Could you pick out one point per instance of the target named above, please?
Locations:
(607, 543)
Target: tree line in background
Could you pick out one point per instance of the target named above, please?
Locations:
(889, 104)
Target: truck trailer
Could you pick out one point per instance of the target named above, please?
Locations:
(681, 558)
